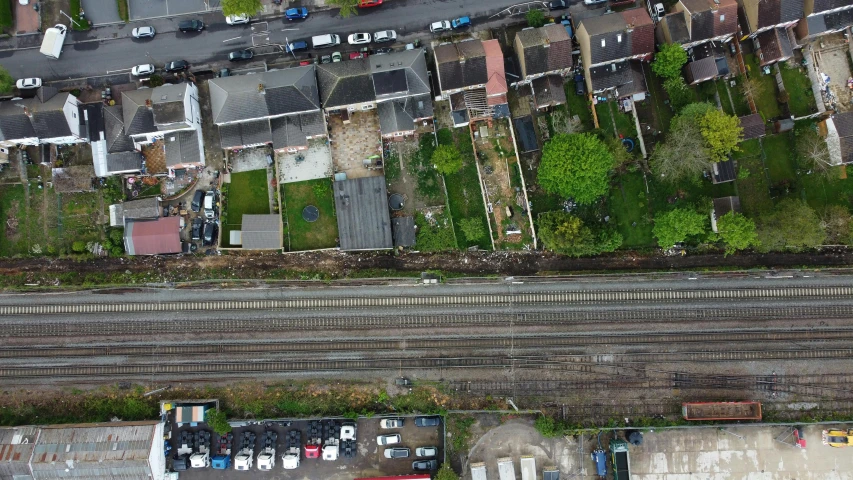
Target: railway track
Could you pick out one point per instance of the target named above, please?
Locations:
(469, 343)
(497, 299)
(158, 326)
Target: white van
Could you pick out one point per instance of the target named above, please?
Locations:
(208, 205)
(323, 41)
(54, 37)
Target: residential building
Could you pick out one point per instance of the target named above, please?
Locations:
(839, 137)
(50, 117)
(395, 84)
(768, 23)
(361, 208)
(280, 108)
(612, 47)
(694, 22)
(143, 209)
(823, 17)
(545, 59)
(471, 74)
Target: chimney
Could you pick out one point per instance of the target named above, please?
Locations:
(27, 112)
(261, 89)
(148, 102)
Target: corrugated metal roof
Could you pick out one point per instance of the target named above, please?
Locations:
(16, 447)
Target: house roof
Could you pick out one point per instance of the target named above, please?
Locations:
(245, 133)
(117, 139)
(262, 95)
(843, 123)
(823, 5)
(548, 90)
(774, 12)
(404, 231)
(701, 70)
(525, 133)
(461, 64)
(92, 117)
(724, 171)
(182, 147)
(146, 208)
(399, 115)
(41, 116)
(51, 124)
(136, 114)
(14, 127)
(838, 20)
(710, 18)
(674, 27)
(496, 84)
(124, 161)
(294, 130)
(544, 49)
(775, 45)
(361, 207)
(620, 35)
(153, 237)
(752, 125)
(261, 232)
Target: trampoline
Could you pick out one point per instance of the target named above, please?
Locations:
(310, 214)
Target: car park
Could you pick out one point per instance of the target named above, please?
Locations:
(143, 32)
(177, 66)
(431, 421)
(195, 205)
(297, 13)
(336, 57)
(397, 452)
(391, 423)
(359, 39)
(237, 19)
(198, 223)
(424, 465)
(557, 5)
(299, 46)
(438, 27)
(240, 55)
(142, 70)
(461, 22)
(426, 451)
(390, 439)
(385, 36)
(28, 83)
(191, 26)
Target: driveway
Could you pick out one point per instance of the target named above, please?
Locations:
(26, 19)
(142, 9)
(101, 11)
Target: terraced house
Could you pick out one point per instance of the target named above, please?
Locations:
(545, 59)
(471, 77)
(48, 118)
(823, 17)
(768, 23)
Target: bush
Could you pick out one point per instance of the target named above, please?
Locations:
(78, 247)
(155, 81)
(535, 18)
(7, 83)
(546, 426)
(122, 10)
(6, 14)
(217, 421)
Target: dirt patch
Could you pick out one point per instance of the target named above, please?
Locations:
(50, 13)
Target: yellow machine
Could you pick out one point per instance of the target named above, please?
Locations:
(838, 438)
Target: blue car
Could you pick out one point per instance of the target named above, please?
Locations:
(461, 22)
(298, 13)
(294, 47)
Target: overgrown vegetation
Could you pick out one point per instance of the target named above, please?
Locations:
(7, 83)
(6, 15)
(463, 189)
(123, 10)
(434, 234)
(459, 430)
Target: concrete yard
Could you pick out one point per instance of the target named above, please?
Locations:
(701, 453)
(310, 164)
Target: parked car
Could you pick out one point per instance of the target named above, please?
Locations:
(197, 224)
(326, 59)
(557, 5)
(391, 423)
(336, 57)
(197, 199)
(427, 421)
(28, 83)
(142, 70)
(299, 46)
(659, 11)
(177, 66)
(240, 55)
(580, 85)
(369, 3)
(237, 19)
(426, 451)
(210, 205)
(438, 27)
(299, 13)
(397, 452)
(357, 55)
(424, 465)
(191, 26)
(461, 22)
(385, 36)
(143, 32)
(593, 2)
(359, 38)
(210, 229)
(382, 50)
(391, 439)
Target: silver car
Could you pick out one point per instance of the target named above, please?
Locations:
(391, 439)
(142, 70)
(143, 32)
(385, 36)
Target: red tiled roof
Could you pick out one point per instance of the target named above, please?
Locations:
(153, 237)
(496, 84)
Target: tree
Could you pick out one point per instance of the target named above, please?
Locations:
(7, 83)
(5, 14)
(78, 247)
(678, 92)
(472, 228)
(535, 18)
(837, 224)
(621, 155)
(737, 232)
(217, 421)
(446, 473)
(446, 159)
(695, 111)
(721, 133)
(676, 225)
(813, 151)
(576, 165)
(240, 7)
(751, 87)
(683, 155)
(793, 225)
(546, 426)
(669, 60)
(348, 7)
(565, 233)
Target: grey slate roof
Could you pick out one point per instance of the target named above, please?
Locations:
(701, 70)
(676, 25)
(124, 161)
(404, 231)
(261, 232)
(50, 124)
(548, 90)
(461, 64)
(146, 208)
(136, 114)
(117, 139)
(182, 147)
(823, 5)
(13, 127)
(753, 126)
(42, 117)
(837, 20)
(286, 91)
(775, 45)
(399, 115)
(609, 76)
(361, 206)
(774, 12)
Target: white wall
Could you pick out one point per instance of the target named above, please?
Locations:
(72, 114)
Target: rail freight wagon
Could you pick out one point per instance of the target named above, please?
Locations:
(721, 411)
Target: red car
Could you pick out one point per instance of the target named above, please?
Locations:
(369, 3)
(312, 451)
(304, 63)
(357, 55)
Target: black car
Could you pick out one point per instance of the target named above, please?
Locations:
(424, 465)
(326, 59)
(197, 224)
(191, 26)
(580, 85)
(209, 233)
(427, 421)
(557, 5)
(177, 66)
(197, 199)
(240, 55)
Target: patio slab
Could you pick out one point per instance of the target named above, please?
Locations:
(316, 163)
(354, 142)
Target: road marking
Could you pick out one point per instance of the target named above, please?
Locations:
(230, 39)
(120, 70)
(288, 29)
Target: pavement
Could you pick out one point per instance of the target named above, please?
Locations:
(102, 11)
(110, 48)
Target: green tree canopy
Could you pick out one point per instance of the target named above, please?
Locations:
(679, 93)
(535, 18)
(7, 83)
(676, 225)
(576, 165)
(217, 421)
(669, 60)
(446, 473)
(5, 14)
(446, 159)
(721, 133)
(793, 225)
(565, 233)
(683, 155)
(348, 7)
(737, 232)
(472, 228)
(240, 7)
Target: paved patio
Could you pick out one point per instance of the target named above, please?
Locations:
(26, 18)
(249, 159)
(316, 163)
(355, 142)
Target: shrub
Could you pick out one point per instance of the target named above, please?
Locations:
(217, 421)
(78, 247)
(6, 14)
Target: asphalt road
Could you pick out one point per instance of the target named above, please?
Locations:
(410, 18)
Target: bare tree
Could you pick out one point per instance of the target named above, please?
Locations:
(814, 151)
(683, 155)
(751, 87)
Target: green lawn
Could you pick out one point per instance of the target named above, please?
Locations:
(752, 184)
(801, 98)
(766, 103)
(740, 101)
(12, 198)
(578, 105)
(663, 110)
(463, 189)
(629, 207)
(822, 191)
(304, 235)
(778, 151)
(248, 193)
(608, 111)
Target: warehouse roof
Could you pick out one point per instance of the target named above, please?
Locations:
(361, 206)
